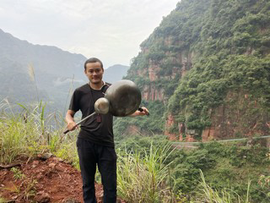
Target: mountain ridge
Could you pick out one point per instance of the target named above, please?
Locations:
(43, 72)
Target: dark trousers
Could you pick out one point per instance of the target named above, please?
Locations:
(90, 155)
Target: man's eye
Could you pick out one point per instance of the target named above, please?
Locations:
(94, 71)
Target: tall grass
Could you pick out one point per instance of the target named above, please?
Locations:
(27, 133)
(19, 136)
(32, 75)
(210, 195)
(2, 200)
(143, 177)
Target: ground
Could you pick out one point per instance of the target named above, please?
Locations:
(42, 179)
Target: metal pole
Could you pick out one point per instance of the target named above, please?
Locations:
(85, 118)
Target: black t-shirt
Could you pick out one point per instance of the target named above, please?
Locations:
(98, 128)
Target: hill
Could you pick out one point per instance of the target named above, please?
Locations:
(31, 73)
(34, 72)
(205, 72)
(115, 73)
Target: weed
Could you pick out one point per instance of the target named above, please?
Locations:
(17, 174)
(29, 189)
(13, 189)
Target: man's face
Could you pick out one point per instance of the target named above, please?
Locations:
(94, 72)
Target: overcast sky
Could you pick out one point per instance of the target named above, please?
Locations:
(111, 30)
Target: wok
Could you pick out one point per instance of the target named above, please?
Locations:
(124, 98)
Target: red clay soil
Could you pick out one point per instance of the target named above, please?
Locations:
(43, 180)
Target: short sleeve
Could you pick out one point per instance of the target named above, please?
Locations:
(75, 101)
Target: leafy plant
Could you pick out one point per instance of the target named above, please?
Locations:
(29, 189)
(264, 182)
(17, 173)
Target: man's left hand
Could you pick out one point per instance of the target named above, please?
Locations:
(142, 111)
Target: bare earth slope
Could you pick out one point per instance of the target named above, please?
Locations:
(43, 180)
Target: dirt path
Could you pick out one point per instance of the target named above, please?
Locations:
(43, 180)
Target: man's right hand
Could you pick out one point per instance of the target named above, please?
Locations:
(71, 126)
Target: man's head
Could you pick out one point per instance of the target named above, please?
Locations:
(93, 69)
(93, 60)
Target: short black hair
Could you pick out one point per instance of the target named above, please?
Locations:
(93, 60)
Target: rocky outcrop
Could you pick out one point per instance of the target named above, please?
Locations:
(152, 93)
(239, 116)
(132, 130)
(208, 134)
(153, 70)
(170, 122)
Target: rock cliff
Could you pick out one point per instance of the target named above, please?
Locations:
(208, 64)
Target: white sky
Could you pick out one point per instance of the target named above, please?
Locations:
(111, 30)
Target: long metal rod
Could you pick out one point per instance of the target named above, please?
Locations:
(85, 118)
(66, 131)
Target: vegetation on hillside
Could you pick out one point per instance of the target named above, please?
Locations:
(224, 46)
(233, 55)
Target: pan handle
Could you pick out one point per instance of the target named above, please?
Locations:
(66, 131)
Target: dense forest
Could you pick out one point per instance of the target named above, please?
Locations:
(208, 72)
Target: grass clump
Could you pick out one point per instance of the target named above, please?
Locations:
(142, 176)
(26, 132)
(211, 195)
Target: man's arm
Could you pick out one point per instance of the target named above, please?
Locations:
(142, 112)
(71, 125)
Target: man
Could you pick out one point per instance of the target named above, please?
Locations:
(95, 143)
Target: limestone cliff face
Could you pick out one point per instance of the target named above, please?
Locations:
(170, 123)
(151, 92)
(240, 116)
(182, 61)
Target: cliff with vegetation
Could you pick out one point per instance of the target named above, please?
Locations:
(204, 72)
